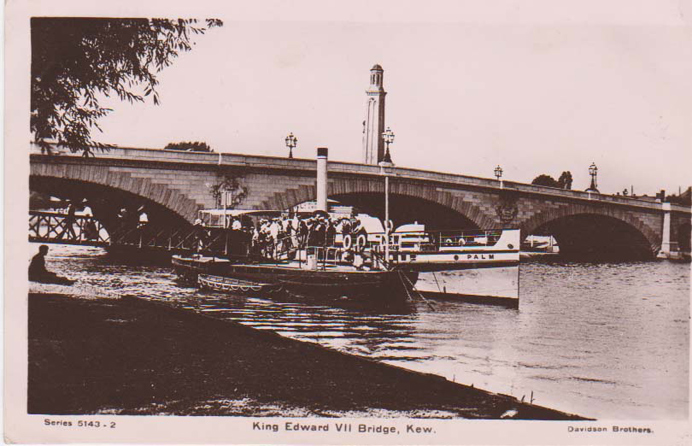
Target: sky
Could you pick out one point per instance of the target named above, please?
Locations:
(462, 96)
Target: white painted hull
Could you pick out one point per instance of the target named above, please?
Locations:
(489, 285)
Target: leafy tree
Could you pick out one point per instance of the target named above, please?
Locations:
(76, 60)
(189, 146)
(565, 180)
(545, 180)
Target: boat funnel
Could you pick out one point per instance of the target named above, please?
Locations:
(322, 179)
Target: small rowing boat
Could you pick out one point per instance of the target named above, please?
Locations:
(230, 285)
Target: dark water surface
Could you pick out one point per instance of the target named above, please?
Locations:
(608, 340)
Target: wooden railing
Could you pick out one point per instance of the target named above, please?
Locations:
(51, 227)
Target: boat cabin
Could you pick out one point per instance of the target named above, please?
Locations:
(414, 237)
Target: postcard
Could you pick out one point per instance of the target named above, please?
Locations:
(393, 222)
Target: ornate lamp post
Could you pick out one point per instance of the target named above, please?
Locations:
(593, 171)
(498, 174)
(388, 137)
(386, 166)
(291, 142)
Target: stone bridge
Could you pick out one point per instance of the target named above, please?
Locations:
(172, 186)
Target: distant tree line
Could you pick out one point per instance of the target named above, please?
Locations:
(189, 146)
(564, 182)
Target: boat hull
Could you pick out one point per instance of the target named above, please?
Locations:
(494, 286)
(328, 282)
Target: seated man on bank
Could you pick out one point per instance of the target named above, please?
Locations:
(39, 273)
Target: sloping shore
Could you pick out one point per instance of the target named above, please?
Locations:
(132, 356)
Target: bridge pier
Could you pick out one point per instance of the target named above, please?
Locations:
(669, 247)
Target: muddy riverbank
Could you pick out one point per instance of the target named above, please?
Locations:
(133, 356)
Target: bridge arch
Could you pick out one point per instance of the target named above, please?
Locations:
(593, 232)
(346, 189)
(101, 176)
(106, 202)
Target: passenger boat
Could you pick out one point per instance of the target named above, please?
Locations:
(322, 274)
(412, 247)
(468, 266)
(358, 264)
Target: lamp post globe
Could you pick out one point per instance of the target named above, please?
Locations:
(388, 137)
(498, 172)
(291, 142)
(593, 171)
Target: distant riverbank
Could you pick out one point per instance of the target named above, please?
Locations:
(133, 356)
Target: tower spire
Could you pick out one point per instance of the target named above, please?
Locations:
(373, 126)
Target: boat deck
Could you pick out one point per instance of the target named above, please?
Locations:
(303, 266)
(283, 264)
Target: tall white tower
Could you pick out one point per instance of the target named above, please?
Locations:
(373, 126)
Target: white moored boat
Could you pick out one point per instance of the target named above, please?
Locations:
(412, 247)
(479, 266)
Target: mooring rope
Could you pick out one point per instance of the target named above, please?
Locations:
(436, 282)
(405, 287)
(402, 276)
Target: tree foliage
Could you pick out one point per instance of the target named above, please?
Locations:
(545, 180)
(565, 180)
(74, 61)
(189, 146)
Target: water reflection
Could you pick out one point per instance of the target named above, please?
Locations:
(369, 328)
(607, 340)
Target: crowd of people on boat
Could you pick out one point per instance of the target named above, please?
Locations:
(274, 237)
(270, 237)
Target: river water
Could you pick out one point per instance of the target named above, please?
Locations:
(603, 340)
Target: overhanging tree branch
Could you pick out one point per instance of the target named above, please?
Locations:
(74, 59)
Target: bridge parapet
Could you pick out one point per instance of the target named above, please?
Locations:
(269, 163)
